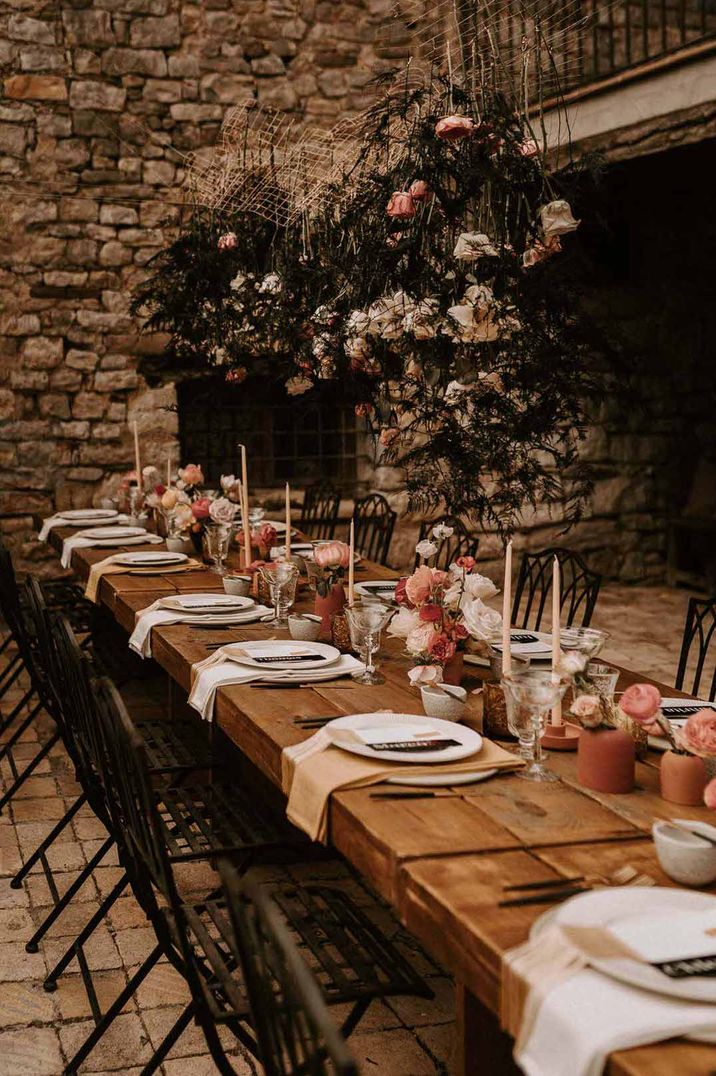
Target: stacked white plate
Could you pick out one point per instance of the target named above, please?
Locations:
(358, 733)
(111, 533)
(160, 559)
(212, 608)
(287, 660)
(88, 515)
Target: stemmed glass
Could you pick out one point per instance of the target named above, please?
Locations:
(366, 621)
(579, 646)
(217, 539)
(529, 697)
(281, 578)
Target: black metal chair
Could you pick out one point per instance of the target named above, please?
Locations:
(374, 521)
(699, 632)
(580, 589)
(460, 543)
(356, 963)
(293, 1027)
(319, 512)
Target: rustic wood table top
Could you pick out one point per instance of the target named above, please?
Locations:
(442, 863)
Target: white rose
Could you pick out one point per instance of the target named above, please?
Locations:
(421, 319)
(222, 510)
(473, 245)
(454, 393)
(482, 622)
(238, 282)
(227, 481)
(426, 549)
(271, 284)
(419, 638)
(357, 348)
(403, 623)
(557, 219)
(472, 587)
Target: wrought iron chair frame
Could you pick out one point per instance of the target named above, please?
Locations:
(374, 521)
(697, 629)
(580, 588)
(319, 512)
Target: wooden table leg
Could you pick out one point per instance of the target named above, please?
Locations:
(482, 1048)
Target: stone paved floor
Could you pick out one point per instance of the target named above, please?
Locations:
(38, 1031)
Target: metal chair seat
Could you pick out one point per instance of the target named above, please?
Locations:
(175, 744)
(349, 956)
(67, 597)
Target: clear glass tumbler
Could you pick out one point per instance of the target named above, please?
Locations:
(216, 541)
(529, 697)
(281, 578)
(366, 621)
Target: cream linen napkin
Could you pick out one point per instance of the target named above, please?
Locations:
(217, 671)
(155, 615)
(57, 521)
(312, 770)
(84, 541)
(109, 566)
(567, 1018)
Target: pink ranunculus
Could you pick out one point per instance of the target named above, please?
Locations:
(710, 795)
(468, 563)
(419, 585)
(641, 702)
(419, 191)
(388, 436)
(332, 555)
(200, 508)
(441, 648)
(698, 735)
(191, 475)
(364, 410)
(400, 595)
(228, 241)
(431, 613)
(453, 128)
(401, 205)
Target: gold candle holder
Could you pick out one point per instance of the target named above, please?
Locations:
(494, 712)
(340, 633)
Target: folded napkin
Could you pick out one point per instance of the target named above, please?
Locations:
(567, 1018)
(219, 671)
(156, 614)
(84, 541)
(312, 770)
(109, 566)
(57, 521)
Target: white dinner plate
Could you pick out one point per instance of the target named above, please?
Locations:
(442, 780)
(150, 560)
(377, 588)
(469, 742)
(207, 603)
(81, 514)
(112, 532)
(603, 906)
(283, 650)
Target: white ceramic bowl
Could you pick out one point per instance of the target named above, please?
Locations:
(446, 701)
(688, 860)
(306, 627)
(238, 584)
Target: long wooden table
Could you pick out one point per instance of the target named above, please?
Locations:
(441, 863)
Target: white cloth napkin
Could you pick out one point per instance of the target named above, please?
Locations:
(575, 1018)
(57, 521)
(156, 614)
(82, 541)
(219, 671)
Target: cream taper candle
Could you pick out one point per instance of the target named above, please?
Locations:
(288, 522)
(507, 612)
(556, 651)
(351, 564)
(137, 459)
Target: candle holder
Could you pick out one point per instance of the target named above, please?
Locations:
(340, 633)
(564, 737)
(494, 712)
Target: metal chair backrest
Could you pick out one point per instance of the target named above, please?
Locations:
(319, 513)
(23, 629)
(533, 592)
(39, 620)
(460, 543)
(293, 1025)
(699, 632)
(374, 521)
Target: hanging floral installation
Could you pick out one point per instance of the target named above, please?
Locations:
(432, 280)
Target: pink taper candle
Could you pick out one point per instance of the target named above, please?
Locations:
(507, 612)
(351, 564)
(288, 522)
(556, 652)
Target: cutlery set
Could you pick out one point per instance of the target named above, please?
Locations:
(555, 890)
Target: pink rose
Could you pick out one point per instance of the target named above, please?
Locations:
(453, 128)
(227, 241)
(441, 648)
(698, 735)
(388, 436)
(401, 205)
(641, 702)
(400, 595)
(265, 536)
(419, 191)
(710, 794)
(191, 475)
(200, 508)
(419, 585)
(431, 613)
(332, 555)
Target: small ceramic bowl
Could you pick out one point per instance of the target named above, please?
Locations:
(685, 858)
(445, 700)
(238, 584)
(178, 545)
(306, 627)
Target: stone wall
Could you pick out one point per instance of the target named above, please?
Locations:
(98, 97)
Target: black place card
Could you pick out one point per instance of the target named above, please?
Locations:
(268, 659)
(686, 969)
(523, 637)
(415, 745)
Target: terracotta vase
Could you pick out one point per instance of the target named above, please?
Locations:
(605, 760)
(453, 670)
(326, 607)
(683, 779)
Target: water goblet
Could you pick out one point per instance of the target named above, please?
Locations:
(281, 578)
(529, 698)
(366, 621)
(579, 646)
(216, 542)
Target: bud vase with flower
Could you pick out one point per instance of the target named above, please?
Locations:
(683, 774)
(606, 754)
(328, 569)
(440, 610)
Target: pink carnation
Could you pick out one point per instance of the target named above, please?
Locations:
(699, 733)
(641, 702)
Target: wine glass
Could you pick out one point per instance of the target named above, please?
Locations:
(216, 542)
(529, 698)
(281, 578)
(366, 621)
